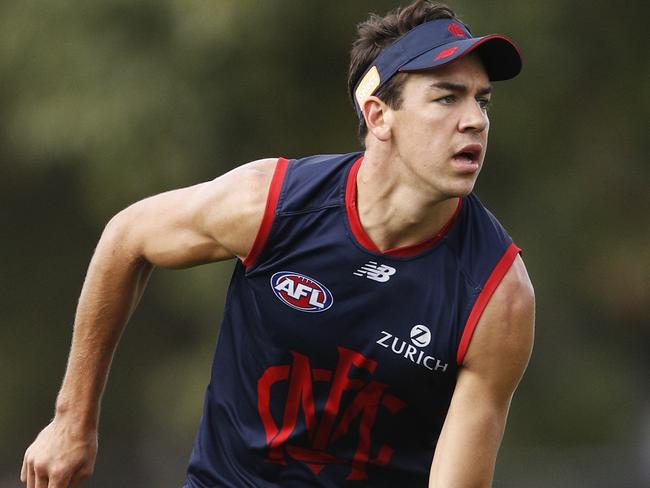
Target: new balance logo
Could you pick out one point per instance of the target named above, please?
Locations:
(374, 271)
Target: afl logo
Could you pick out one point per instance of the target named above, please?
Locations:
(420, 335)
(301, 292)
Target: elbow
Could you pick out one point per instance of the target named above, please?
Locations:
(120, 236)
(117, 228)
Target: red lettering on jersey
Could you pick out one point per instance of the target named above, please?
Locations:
(300, 396)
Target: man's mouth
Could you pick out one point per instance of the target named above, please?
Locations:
(469, 154)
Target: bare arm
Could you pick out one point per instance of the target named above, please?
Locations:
(208, 222)
(495, 362)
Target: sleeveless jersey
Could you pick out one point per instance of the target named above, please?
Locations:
(336, 363)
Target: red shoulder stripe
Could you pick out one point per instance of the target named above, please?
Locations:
(269, 212)
(483, 299)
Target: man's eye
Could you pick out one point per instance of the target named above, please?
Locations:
(447, 99)
(484, 103)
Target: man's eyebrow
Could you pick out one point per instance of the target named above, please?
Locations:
(459, 87)
(485, 90)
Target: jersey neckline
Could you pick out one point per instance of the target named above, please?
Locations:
(360, 234)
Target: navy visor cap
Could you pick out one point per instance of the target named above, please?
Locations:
(434, 44)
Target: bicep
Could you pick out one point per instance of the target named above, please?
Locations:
(494, 364)
(204, 223)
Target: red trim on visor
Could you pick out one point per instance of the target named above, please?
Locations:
(483, 299)
(489, 37)
(363, 238)
(269, 212)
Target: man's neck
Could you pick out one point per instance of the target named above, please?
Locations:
(395, 212)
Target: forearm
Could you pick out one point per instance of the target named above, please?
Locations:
(116, 278)
(467, 449)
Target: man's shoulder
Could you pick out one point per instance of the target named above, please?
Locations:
(315, 182)
(480, 214)
(324, 162)
(506, 327)
(478, 238)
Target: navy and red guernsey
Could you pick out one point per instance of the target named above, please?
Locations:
(336, 363)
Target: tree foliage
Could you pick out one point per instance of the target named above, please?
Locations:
(105, 102)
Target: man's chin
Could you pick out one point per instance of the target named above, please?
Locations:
(461, 190)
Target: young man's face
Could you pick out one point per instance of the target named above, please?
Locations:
(440, 131)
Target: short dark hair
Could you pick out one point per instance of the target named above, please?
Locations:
(377, 33)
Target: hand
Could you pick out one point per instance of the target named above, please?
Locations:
(62, 456)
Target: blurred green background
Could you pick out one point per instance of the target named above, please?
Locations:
(104, 102)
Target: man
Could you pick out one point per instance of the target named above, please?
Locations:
(379, 318)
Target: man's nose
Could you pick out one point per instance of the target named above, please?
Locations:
(474, 118)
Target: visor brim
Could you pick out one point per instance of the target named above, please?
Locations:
(499, 55)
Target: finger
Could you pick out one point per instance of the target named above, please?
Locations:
(74, 482)
(59, 477)
(59, 482)
(23, 470)
(77, 478)
(41, 481)
(30, 476)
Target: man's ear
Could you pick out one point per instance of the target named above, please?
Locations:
(375, 114)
